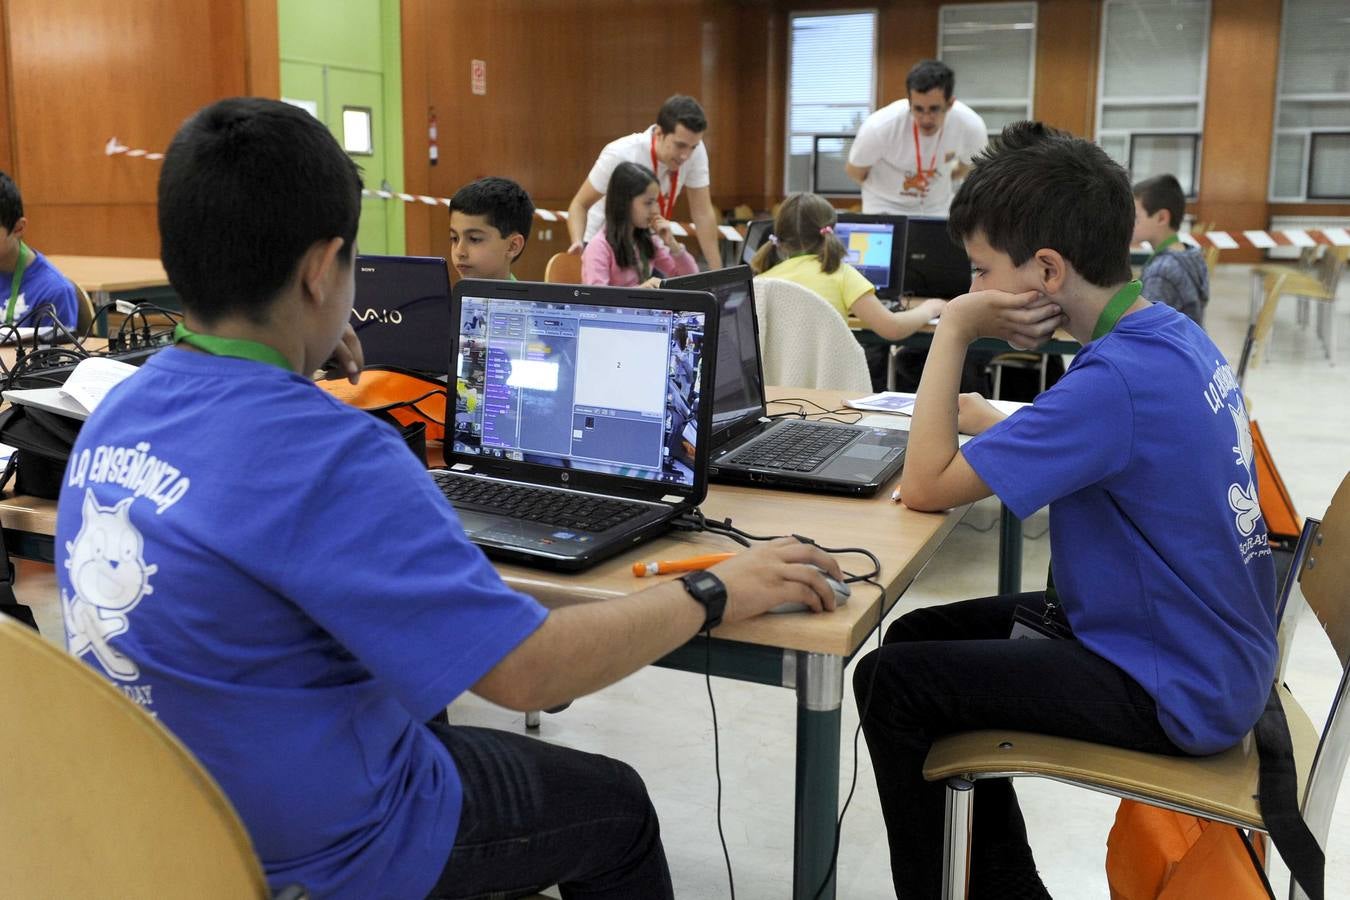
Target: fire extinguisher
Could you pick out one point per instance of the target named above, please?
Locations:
(433, 153)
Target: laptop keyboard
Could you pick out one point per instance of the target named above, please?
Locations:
(564, 509)
(796, 447)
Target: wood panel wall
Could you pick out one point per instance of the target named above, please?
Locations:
(82, 71)
(6, 132)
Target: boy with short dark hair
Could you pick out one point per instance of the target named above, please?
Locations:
(27, 279)
(490, 221)
(296, 632)
(1176, 273)
(1164, 585)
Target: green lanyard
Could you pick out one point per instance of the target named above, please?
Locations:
(16, 280)
(1163, 245)
(1115, 308)
(239, 349)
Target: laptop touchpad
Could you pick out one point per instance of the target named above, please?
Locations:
(860, 450)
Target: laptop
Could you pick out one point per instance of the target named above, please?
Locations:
(935, 265)
(756, 233)
(746, 446)
(875, 246)
(401, 312)
(579, 421)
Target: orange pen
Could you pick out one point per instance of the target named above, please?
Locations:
(667, 566)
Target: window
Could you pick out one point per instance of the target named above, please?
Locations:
(1151, 86)
(992, 49)
(1311, 150)
(831, 90)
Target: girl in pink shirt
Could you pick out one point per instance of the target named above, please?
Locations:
(636, 238)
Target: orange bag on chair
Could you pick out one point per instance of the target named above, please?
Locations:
(1157, 854)
(406, 397)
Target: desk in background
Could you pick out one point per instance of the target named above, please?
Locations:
(803, 652)
(109, 278)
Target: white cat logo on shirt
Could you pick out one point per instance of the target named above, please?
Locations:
(110, 576)
(1242, 498)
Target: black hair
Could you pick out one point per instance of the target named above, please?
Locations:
(631, 245)
(1038, 187)
(1163, 192)
(804, 224)
(928, 74)
(248, 186)
(501, 201)
(681, 109)
(11, 203)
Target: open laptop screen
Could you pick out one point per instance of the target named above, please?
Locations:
(401, 311)
(606, 389)
(738, 395)
(756, 233)
(935, 265)
(874, 244)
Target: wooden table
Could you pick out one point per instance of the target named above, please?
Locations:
(109, 278)
(803, 652)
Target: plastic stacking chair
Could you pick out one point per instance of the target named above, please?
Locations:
(100, 800)
(563, 268)
(1221, 787)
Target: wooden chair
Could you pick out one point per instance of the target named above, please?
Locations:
(84, 321)
(1221, 787)
(100, 800)
(563, 268)
(743, 211)
(1318, 284)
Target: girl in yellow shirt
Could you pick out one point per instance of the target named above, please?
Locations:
(803, 248)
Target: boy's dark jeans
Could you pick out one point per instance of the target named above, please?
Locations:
(536, 815)
(948, 669)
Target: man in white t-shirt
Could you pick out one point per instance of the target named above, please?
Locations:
(673, 148)
(907, 155)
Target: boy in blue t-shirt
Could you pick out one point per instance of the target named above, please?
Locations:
(1175, 274)
(27, 280)
(272, 574)
(1164, 600)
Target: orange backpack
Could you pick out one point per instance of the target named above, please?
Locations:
(394, 393)
(1157, 854)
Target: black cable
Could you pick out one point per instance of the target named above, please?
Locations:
(717, 756)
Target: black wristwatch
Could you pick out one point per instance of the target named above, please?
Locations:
(708, 589)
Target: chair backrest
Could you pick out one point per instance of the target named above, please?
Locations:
(805, 342)
(1254, 350)
(1325, 580)
(1211, 261)
(1330, 265)
(563, 268)
(99, 800)
(743, 211)
(85, 317)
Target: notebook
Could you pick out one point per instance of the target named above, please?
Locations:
(789, 453)
(579, 418)
(756, 233)
(401, 312)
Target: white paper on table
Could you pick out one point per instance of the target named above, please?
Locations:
(1259, 239)
(677, 229)
(1221, 239)
(1299, 238)
(730, 233)
(546, 215)
(1339, 237)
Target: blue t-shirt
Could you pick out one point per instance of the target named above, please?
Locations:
(42, 283)
(273, 575)
(1161, 560)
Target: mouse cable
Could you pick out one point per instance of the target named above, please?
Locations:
(717, 757)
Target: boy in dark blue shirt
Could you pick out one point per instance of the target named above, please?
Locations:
(27, 280)
(1165, 585)
(1176, 273)
(269, 571)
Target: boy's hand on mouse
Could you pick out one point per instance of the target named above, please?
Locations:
(348, 358)
(1024, 320)
(773, 573)
(974, 414)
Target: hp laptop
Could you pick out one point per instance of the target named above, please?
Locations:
(580, 426)
(401, 312)
(876, 248)
(787, 453)
(935, 265)
(756, 233)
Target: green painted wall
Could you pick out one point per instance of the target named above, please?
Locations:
(337, 53)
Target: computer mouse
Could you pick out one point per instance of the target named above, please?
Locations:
(841, 594)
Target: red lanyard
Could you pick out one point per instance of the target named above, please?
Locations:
(918, 156)
(665, 203)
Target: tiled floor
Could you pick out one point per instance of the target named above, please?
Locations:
(659, 720)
